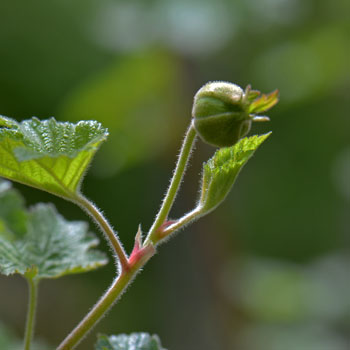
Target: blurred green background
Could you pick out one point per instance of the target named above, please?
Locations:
(268, 270)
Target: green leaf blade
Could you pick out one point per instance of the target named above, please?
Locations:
(50, 247)
(134, 341)
(221, 171)
(49, 155)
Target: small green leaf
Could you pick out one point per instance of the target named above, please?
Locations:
(49, 155)
(134, 341)
(49, 247)
(220, 172)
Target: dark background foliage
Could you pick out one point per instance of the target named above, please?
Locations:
(269, 268)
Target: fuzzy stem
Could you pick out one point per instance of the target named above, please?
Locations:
(185, 220)
(129, 270)
(106, 228)
(32, 304)
(105, 303)
(174, 185)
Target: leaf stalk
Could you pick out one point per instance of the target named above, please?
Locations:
(106, 228)
(32, 305)
(183, 221)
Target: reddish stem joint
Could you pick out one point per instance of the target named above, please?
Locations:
(140, 253)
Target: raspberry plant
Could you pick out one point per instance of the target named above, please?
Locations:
(54, 156)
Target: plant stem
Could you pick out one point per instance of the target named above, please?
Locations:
(106, 301)
(185, 220)
(106, 228)
(174, 185)
(128, 271)
(102, 306)
(32, 303)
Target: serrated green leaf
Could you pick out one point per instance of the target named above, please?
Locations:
(49, 155)
(134, 341)
(220, 172)
(49, 247)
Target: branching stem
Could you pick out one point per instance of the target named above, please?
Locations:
(128, 269)
(126, 274)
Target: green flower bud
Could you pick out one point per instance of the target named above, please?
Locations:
(223, 112)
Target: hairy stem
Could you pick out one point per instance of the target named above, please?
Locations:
(174, 185)
(106, 301)
(180, 223)
(106, 228)
(129, 270)
(32, 304)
